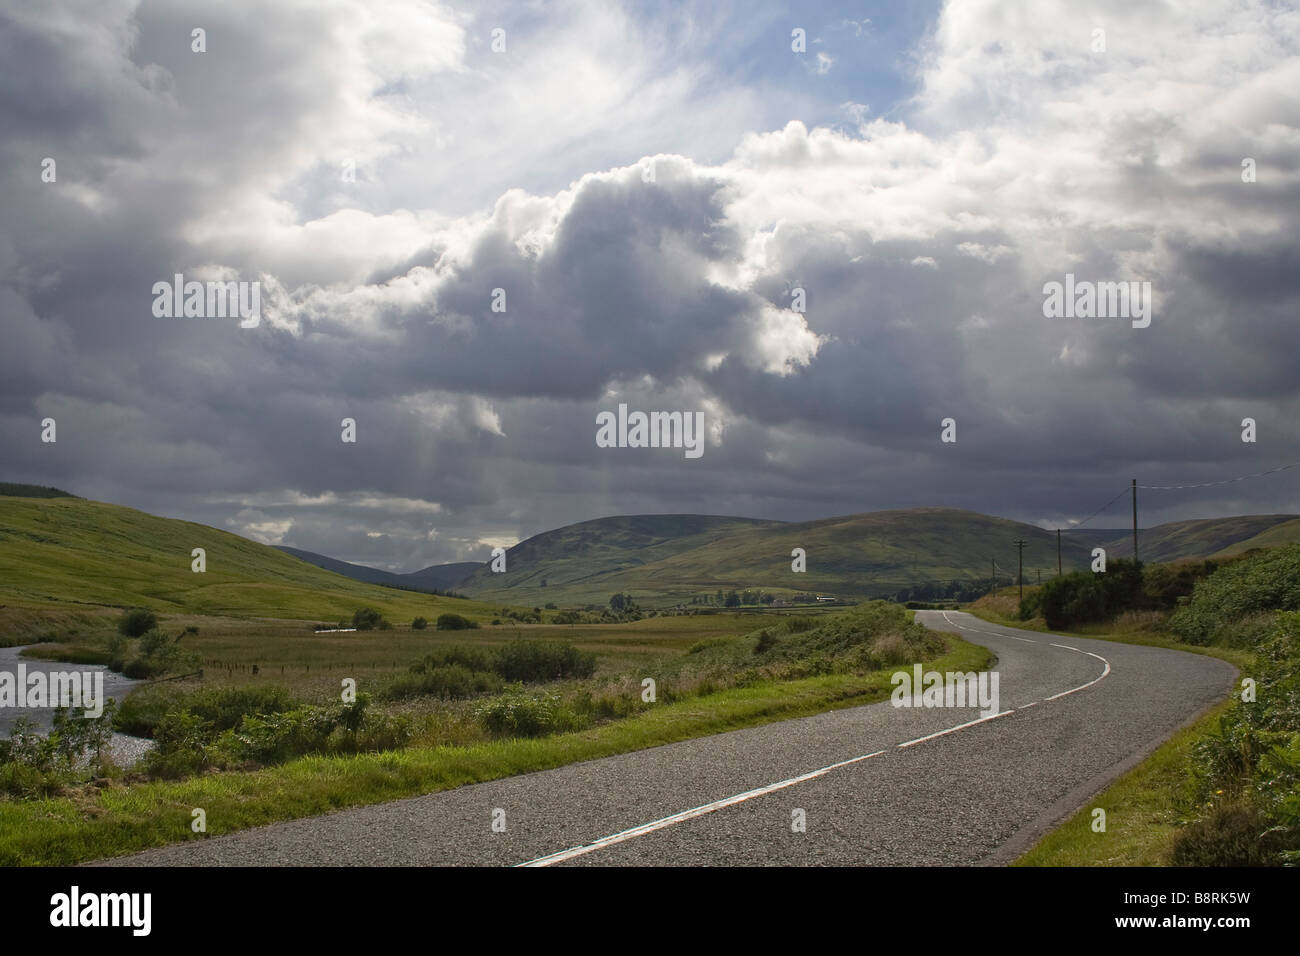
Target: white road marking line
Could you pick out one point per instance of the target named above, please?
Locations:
(668, 821)
(689, 814)
(952, 730)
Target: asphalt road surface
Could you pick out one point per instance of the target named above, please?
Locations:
(877, 784)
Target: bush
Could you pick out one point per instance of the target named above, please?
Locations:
(516, 714)
(1084, 597)
(419, 624)
(797, 625)
(542, 661)
(154, 641)
(765, 641)
(181, 743)
(1235, 835)
(454, 622)
(366, 619)
(1263, 582)
(221, 707)
(137, 621)
(449, 682)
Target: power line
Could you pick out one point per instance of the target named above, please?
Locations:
(1225, 481)
(1100, 510)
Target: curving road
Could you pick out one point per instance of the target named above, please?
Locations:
(876, 784)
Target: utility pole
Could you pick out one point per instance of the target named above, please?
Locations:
(993, 575)
(1135, 521)
(1020, 573)
(1058, 552)
(1040, 577)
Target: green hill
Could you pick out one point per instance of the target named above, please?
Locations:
(1198, 538)
(74, 550)
(865, 555)
(568, 565)
(1279, 535)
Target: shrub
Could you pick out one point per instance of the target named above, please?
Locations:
(419, 624)
(1263, 582)
(154, 641)
(1235, 835)
(454, 622)
(765, 641)
(797, 625)
(516, 714)
(366, 618)
(181, 746)
(542, 660)
(448, 681)
(1083, 597)
(137, 621)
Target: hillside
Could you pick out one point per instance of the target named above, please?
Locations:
(1279, 535)
(1198, 538)
(437, 577)
(568, 564)
(59, 550)
(864, 555)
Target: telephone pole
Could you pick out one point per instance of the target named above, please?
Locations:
(1040, 577)
(1020, 573)
(1135, 521)
(1058, 552)
(993, 575)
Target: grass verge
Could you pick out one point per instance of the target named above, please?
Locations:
(119, 819)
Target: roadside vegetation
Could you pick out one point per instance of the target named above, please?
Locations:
(467, 708)
(1225, 791)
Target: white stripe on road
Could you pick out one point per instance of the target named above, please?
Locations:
(664, 822)
(689, 814)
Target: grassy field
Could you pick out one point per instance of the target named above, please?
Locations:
(114, 816)
(289, 654)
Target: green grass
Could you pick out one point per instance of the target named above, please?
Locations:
(69, 551)
(121, 819)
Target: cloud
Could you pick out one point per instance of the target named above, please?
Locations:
(646, 227)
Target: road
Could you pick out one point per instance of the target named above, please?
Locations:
(876, 784)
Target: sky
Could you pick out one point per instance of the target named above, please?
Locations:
(825, 228)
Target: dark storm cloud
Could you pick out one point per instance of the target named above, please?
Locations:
(922, 258)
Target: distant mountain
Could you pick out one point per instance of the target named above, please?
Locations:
(665, 559)
(437, 578)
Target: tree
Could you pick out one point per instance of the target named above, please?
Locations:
(137, 621)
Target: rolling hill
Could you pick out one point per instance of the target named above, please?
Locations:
(865, 555)
(1198, 538)
(64, 550)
